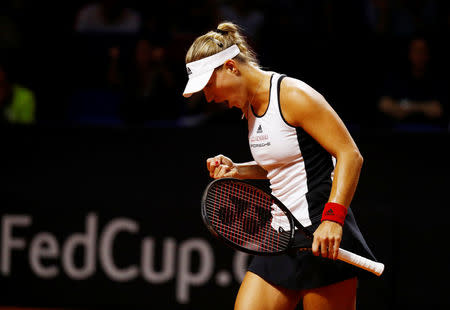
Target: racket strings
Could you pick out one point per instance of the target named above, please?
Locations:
(244, 216)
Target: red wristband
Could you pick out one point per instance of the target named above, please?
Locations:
(334, 212)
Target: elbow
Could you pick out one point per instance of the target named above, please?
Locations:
(353, 157)
(358, 158)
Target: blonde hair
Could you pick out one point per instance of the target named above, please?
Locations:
(226, 35)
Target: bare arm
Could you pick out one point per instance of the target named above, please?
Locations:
(303, 106)
(221, 166)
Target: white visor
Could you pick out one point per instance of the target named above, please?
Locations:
(200, 71)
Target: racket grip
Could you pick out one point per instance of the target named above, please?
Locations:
(361, 262)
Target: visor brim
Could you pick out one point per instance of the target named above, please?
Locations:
(197, 83)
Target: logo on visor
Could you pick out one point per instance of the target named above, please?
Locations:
(189, 72)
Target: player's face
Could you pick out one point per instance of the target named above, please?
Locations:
(226, 86)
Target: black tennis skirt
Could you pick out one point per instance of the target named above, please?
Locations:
(302, 270)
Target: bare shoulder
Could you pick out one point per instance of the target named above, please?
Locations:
(291, 86)
(298, 100)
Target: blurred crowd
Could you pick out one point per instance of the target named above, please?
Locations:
(380, 63)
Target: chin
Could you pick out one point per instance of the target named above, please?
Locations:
(244, 107)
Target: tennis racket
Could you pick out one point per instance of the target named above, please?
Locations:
(242, 215)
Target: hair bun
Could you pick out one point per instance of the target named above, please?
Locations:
(225, 35)
(228, 27)
(222, 32)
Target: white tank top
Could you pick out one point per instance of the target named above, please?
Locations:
(299, 169)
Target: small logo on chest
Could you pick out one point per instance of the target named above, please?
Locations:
(259, 139)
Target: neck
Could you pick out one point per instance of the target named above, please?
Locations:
(258, 82)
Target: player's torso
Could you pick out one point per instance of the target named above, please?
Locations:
(272, 141)
(281, 149)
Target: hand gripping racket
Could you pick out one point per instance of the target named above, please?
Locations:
(251, 220)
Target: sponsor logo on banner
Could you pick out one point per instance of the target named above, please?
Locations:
(188, 263)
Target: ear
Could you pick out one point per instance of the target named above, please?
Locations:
(231, 66)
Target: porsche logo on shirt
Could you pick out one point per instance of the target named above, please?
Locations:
(259, 140)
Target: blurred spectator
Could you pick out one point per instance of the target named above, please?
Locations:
(416, 95)
(17, 103)
(108, 16)
(403, 18)
(413, 16)
(147, 82)
(380, 16)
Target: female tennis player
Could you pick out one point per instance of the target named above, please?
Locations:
(300, 144)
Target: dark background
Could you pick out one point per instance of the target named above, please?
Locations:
(85, 154)
(346, 50)
(156, 177)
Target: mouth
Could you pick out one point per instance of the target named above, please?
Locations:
(225, 102)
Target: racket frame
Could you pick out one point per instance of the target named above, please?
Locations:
(343, 255)
(293, 222)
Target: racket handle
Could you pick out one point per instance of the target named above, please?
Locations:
(361, 262)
